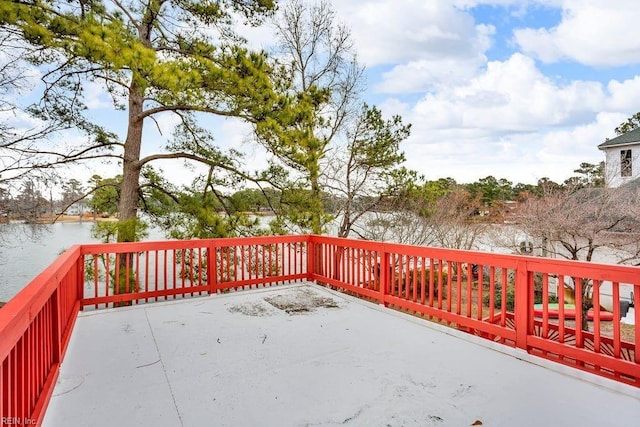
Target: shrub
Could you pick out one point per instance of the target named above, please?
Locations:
(511, 298)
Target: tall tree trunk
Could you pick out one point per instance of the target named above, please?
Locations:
(131, 167)
(128, 203)
(585, 317)
(345, 224)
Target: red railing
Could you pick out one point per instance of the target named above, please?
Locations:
(35, 327)
(486, 294)
(129, 273)
(494, 296)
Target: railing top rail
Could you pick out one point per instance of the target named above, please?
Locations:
(121, 247)
(455, 255)
(609, 272)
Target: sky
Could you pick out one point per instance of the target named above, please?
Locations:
(517, 89)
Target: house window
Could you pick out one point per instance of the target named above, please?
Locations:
(625, 163)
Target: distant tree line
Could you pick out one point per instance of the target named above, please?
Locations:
(101, 196)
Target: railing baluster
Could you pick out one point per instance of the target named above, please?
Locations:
(96, 289)
(469, 288)
(480, 289)
(578, 294)
(107, 275)
(449, 286)
(596, 316)
(423, 279)
(492, 292)
(165, 281)
(561, 309)
(146, 274)
(521, 305)
(384, 277)
(545, 305)
(503, 303)
(4, 393)
(616, 320)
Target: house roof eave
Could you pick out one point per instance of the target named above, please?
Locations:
(629, 138)
(604, 147)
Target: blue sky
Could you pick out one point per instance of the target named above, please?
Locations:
(517, 89)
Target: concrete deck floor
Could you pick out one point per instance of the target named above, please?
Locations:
(238, 360)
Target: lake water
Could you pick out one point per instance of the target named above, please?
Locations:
(27, 250)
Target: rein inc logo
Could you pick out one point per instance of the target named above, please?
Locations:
(17, 421)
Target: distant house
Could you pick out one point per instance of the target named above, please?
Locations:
(77, 208)
(622, 158)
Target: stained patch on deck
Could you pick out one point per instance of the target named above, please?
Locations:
(253, 308)
(291, 301)
(300, 301)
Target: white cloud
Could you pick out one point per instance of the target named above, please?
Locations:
(427, 75)
(468, 155)
(511, 96)
(512, 121)
(164, 124)
(592, 32)
(478, 117)
(229, 133)
(426, 44)
(19, 121)
(624, 95)
(422, 43)
(520, 4)
(395, 106)
(387, 33)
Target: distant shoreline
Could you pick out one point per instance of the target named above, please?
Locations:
(74, 218)
(47, 219)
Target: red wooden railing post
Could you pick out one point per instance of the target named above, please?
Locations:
(310, 257)
(522, 310)
(384, 277)
(212, 266)
(56, 332)
(80, 279)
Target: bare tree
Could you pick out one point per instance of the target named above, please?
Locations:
(583, 224)
(367, 171)
(449, 222)
(20, 130)
(455, 221)
(320, 70)
(401, 226)
(578, 224)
